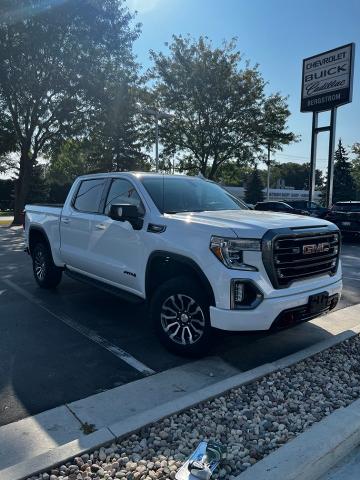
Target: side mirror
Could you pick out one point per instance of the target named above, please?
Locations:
(126, 212)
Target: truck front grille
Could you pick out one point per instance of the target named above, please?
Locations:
(302, 255)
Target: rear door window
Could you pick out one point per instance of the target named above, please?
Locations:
(89, 195)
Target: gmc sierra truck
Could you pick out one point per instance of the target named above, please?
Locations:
(199, 257)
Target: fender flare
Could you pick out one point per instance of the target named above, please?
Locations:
(183, 260)
(41, 230)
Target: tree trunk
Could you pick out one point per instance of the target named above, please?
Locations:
(22, 185)
(213, 170)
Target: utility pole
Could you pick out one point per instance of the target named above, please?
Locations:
(158, 116)
(156, 141)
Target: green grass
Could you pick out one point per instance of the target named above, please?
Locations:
(6, 214)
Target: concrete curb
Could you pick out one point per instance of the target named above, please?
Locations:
(314, 452)
(62, 454)
(57, 455)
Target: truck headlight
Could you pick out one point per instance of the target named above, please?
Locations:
(230, 251)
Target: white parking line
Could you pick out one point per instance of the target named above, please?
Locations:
(86, 332)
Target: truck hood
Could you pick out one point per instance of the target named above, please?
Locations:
(249, 223)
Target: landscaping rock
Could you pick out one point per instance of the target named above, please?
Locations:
(252, 421)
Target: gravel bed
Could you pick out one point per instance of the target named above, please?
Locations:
(252, 420)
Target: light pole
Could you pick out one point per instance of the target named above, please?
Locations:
(268, 163)
(157, 115)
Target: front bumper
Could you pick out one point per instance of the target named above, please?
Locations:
(270, 309)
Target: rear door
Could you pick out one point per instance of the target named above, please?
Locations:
(77, 223)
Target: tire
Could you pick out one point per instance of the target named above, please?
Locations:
(180, 315)
(46, 273)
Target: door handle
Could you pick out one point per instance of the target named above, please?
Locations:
(100, 226)
(65, 220)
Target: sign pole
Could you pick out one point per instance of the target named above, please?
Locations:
(312, 175)
(327, 83)
(330, 176)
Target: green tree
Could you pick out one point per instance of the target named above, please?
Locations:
(6, 194)
(344, 184)
(356, 168)
(217, 104)
(274, 124)
(54, 61)
(233, 174)
(7, 141)
(295, 175)
(39, 187)
(114, 138)
(98, 152)
(69, 161)
(254, 188)
(7, 138)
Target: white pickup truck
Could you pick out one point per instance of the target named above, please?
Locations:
(199, 257)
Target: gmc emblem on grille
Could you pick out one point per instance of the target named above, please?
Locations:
(316, 248)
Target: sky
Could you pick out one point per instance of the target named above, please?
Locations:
(277, 35)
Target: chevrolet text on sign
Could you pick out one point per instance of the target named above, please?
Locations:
(327, 79)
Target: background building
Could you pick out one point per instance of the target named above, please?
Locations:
(280, 194)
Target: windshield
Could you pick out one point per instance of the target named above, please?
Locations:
(347, 207)
(189, 194)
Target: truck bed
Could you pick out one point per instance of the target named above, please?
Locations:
(56, 205)
(43, 208)
(46, 218)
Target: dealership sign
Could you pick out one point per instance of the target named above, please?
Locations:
(327, 79)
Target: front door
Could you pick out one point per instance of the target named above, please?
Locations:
(116, 248)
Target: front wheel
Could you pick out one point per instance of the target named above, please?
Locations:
(180, 314)
(46, 273)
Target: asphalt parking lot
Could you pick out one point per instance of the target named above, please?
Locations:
(64, 345)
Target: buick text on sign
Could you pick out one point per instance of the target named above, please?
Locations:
(327, 79)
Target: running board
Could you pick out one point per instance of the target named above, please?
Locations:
(123, 294)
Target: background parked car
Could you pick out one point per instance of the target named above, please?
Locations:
(346, 215)
(279, 207)
(314, 209)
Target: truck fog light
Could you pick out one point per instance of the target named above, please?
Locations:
(244, 294)
(238, 292)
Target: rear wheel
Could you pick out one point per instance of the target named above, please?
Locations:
(46, 273)
(180, 314)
